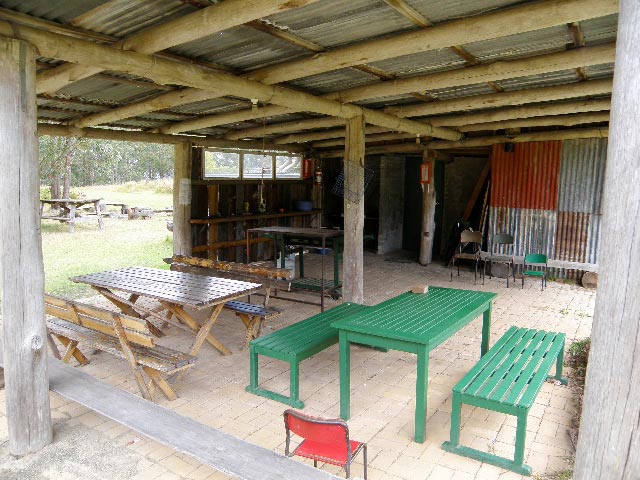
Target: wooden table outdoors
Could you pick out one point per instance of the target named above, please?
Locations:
(303, 237)
(68, 207)
(414, 323)
(174, 291)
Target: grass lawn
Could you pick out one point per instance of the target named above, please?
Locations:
(121, 243)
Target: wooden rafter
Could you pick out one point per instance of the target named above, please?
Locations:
(180, 30)
(532, 16)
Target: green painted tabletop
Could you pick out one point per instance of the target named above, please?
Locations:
(417, 317)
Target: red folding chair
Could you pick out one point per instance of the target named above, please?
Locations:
(326, 440)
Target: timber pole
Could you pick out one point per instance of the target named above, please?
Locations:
(182, 199)
(353, 259)
(428, 214)
(22, 271)
(609, 440)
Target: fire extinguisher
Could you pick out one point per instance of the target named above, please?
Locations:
(317, 176)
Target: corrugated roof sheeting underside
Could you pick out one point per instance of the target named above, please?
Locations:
(437, 11)
(335, 80)
(582, 175)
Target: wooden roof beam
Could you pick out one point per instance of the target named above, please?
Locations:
(475, 102)
(511, 21)
(201, 23)
(168, 72)
(146, 137)
(452, 78)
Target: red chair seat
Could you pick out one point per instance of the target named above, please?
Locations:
(334, 454)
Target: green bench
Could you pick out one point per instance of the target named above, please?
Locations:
(507, 379)
(293, 344)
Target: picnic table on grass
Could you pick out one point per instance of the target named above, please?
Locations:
(414, 323)
(175, 291)
(67, 210)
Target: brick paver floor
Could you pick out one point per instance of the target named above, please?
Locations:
(383, 389)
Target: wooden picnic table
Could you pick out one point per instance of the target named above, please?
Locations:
(307, 237)
(68, 208)
(413, 323)
(175, 291)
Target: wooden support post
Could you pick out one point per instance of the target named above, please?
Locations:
(352, 290)
(428, 216)
(182, 199)
(609, 429)
(212, 232)
(22, 271)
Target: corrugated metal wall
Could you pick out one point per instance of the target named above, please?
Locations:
(549, 196)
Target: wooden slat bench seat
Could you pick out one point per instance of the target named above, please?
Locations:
(259, 272)
(126, 337)
(253, 316)
(293, 344)
(507, 379)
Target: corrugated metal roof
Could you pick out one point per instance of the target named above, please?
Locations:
(423, 62)
(331, 23)
(334, 81)
(62, 12)
(599, 71)
(537, 42)
(461, 91)
(440, 10)
(600, 30)
(561, 77)
(121, 18)
(214, 105)
(240, 47)
(101, 89)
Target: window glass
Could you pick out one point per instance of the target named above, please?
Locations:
(221, 164)
(257, 166)
(288, 166)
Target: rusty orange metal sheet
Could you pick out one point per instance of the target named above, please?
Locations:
(527, 177)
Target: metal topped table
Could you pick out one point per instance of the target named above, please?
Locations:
(413, 323)
(304, 237)
(174, 290)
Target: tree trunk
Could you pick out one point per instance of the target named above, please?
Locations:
(70, 145)
(352, 289)
(55, 186)
(609, 442)
(21, 269)
(182, 200)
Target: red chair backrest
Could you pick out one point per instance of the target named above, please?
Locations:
(330, 432)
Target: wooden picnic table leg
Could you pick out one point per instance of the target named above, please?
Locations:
(72, 350)
(72, 217)
(486, 330)
(183, 317)
(422, 381)
(126, 307)
(345, 377)
(96, 205)
(203, 334)
(161, 383)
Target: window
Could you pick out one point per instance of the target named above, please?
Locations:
(257, 166)
(221, 164)
(288, 166)
(250, 165)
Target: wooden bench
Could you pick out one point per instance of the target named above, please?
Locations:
(293, 344)
(253, 316)
(118, 334)
(263, 272)
(507, 379)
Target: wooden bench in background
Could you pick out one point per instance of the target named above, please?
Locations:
(507, 379)
(126, 337)
(293, 344)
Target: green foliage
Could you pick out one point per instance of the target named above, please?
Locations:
(580, 347)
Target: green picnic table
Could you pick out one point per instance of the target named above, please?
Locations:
(414, 323)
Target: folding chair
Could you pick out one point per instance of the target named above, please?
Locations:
(326, 440)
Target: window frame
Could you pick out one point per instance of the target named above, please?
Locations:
(269, 153)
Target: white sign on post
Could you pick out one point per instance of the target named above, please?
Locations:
(184, 195)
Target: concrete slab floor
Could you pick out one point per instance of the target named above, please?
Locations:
(88, 446)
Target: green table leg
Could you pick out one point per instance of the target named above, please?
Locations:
(521, 433)
(558, 376)
(337, 249)
(282, 250)
(301, 263)
(422, 381)
(486, 330)
(253, 367)
(345, 377)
